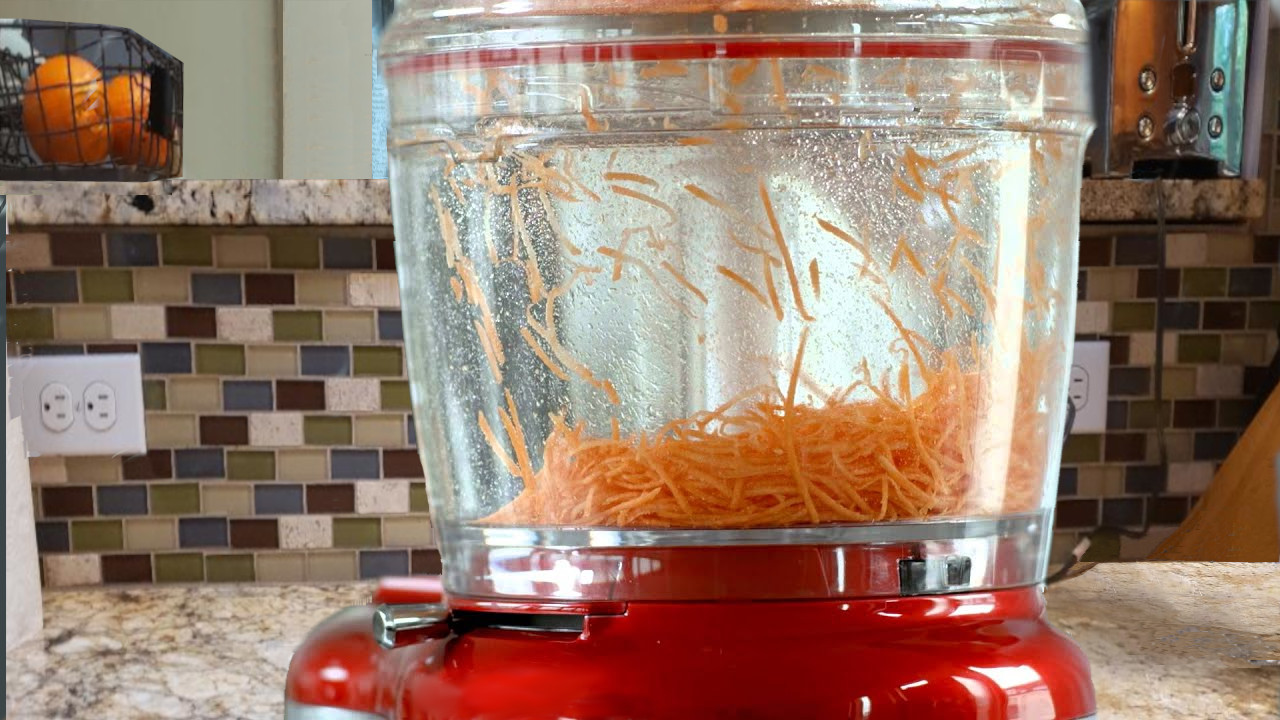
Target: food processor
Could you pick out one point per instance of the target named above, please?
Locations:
(738, 334)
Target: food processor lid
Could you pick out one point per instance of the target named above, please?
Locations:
(424, 26)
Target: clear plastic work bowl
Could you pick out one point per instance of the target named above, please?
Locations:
(774, 280)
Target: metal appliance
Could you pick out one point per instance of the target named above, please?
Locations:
(1169, 82)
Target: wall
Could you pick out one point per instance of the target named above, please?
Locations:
(277, 400)
(277, 405)
(230, 51)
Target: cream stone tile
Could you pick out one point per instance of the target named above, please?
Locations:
(73, 570)
(1219, 380)
(374, 290)
(275, 429)
(306, 532)
(1186, 249)
(1189, 478)
(27, 251)
(138, 322)
(382, 496)
(48, 470)
(244, 324)
(1093, 317)
(351, 394)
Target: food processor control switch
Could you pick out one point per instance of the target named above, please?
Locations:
(926, 576)
(400, 625)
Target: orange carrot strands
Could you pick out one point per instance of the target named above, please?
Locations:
(754, 249)
(496, 446)
(628, 192)
(773, 290)
(784, 251)
(649, 272)
(907, 190)
(788, 415)
(684, 282)
(593, 125)
(779, 89)
(822, 71)
(730, 124)
(957, 156)
(664, 68)
(853, 242)
(542, 355)
(695, 140)
(814, 281)
(983, 286)
(511, 423)
(448, 231)
(613, 157)
(742, 283)
(487, 343)
(742, 70)
(630, 177)
(903, 251)
(456, 287)
(720, 23)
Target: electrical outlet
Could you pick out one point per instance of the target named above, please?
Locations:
(57, 410)
(79, 405)
(1090, 368)
(100, 406)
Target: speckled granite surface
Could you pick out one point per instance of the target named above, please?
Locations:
(1165, 640)
(368, 202)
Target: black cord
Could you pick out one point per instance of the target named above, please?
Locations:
(1082, 548)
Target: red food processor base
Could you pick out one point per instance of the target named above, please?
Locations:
(976, 656)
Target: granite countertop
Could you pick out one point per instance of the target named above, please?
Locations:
(1186, 640)
(368, 202)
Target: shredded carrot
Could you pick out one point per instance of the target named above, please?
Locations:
(695, 141)
(631, 177)
(720, 23)
(814, 281)
(742, 283)
(773, 290)
(664, 68)
(496, 446)
(853, 242)
(542, 355)
(593, 125)
(903, 250)
(680, 278)
(456, 287)
(488, 343)
(742, 70)
(779, 90)
(907, 190)
(784, 251)
(628, 192)
(824, 72)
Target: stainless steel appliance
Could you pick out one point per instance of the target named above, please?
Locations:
(1169, 87)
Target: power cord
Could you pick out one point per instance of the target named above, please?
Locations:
(1074, 566)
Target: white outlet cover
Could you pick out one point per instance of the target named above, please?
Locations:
(1090, 368)
(120, 375)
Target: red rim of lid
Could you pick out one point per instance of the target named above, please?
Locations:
(588, 53)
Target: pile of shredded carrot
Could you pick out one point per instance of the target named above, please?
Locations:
(765, 461)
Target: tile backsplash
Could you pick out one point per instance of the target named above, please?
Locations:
(279, 418)
(277, 406)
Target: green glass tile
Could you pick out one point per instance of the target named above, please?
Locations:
(30, 324)
(187, 247)
(179, 567)
(357, 532)
(229, 568)
(418, 497)
(106, 286)
(295, 251)
(396, 396)
(247, 465)
(1204, 282)
(1199, 348)
(1133, 316)
(1104, 546)
(325, 430)
(1142, 414)
(220, 359)
(153, 395)
(377, 361)
(94, 535)
(297, 325)
(1263, 315)
(1082, 449)
(176, 499)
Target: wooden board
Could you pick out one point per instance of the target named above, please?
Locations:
(1236, 519)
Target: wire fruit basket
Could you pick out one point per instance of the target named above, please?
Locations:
(83, 102)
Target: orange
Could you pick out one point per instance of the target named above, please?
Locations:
(63, 111)
(128, 107)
